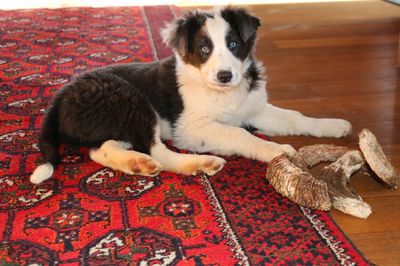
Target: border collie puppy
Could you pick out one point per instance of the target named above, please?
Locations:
(200, 98)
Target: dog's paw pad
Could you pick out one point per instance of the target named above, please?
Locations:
(143, 166)
(212, 165)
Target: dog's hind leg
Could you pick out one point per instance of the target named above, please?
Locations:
(115, 154)
(187, 164)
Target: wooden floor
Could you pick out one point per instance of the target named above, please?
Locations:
(339, 60)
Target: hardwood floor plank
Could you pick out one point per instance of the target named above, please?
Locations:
(385, 217)
(336, 42)
(370, 187)
(382, 248)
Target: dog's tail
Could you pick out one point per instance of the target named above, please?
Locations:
(48, 145)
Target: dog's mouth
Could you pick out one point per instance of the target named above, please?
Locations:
(218, 86)
(221, 86)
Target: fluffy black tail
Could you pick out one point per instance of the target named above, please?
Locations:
(48, 145)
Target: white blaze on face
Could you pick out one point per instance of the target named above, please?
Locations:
(221, 58)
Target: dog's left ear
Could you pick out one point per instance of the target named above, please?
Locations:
(240, 19)
(179, 33)
(170, 34)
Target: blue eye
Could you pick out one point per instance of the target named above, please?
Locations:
(205, 50)
(232, 45)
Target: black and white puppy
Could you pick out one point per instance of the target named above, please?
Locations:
(200, 98)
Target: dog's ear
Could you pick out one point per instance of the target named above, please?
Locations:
(241, 20)
(179, 34)
(170, 34)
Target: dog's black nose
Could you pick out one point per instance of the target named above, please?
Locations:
(224, 76)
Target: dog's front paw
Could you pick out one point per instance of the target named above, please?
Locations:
(288, 150)
(273, 150)
(213, 165)
(203, 164)
(335, 128)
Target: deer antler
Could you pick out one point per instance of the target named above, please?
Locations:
(298, 185)
(290, 176)
(377, 160)
(337, 177)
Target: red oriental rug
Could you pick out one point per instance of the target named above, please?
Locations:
(90, 215)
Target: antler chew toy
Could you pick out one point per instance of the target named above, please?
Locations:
(290, 176)
(377, 160)
(309, 156)
(298, 185)
(337, 177)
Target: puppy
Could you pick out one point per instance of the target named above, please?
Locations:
(200, 98)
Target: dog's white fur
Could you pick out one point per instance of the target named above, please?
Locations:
(41, 173)
(221, 58)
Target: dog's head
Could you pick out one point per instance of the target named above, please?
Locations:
(217, 43)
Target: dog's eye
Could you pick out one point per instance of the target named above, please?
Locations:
(232, 45)
(205, 49)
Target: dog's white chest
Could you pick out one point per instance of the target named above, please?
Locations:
(246, 105)
(231, 107)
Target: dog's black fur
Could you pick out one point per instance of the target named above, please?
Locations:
(117, 102)
(243, 33)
